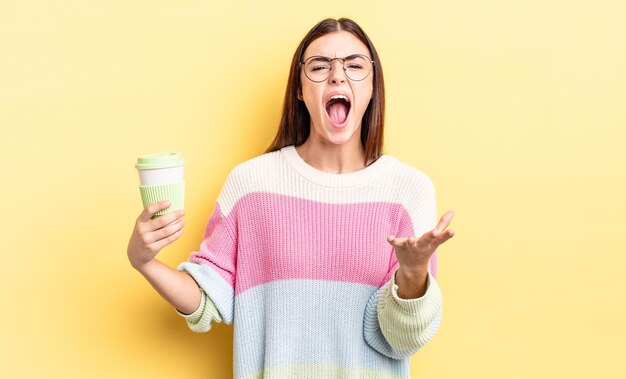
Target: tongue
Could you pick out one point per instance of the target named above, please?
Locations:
(338, 112)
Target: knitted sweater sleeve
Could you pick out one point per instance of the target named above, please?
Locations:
(397, 327)
(213, 266)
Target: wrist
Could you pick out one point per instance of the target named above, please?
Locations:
(412, 283)
(413, 273)
(143, 266)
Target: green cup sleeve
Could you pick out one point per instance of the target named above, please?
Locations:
(174, 192)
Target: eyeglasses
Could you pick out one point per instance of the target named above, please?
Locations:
(318, 69)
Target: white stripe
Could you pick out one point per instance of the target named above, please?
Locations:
(387, 180)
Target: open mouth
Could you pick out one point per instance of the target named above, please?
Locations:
(337, 109)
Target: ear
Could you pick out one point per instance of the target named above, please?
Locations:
(299, 94)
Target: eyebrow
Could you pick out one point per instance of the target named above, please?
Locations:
(322, 58)
(356, 55)
(318, 58)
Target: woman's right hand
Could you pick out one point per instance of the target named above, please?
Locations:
(152, 235)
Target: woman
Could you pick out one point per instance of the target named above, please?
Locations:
(322, 251)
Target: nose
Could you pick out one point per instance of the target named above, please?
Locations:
(337, 74)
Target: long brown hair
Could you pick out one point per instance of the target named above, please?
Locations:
(295, 125)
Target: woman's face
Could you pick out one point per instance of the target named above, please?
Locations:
(335, 119)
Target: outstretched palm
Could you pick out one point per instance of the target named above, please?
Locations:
(414, 253)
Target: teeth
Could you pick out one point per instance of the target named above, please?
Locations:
(339, 97)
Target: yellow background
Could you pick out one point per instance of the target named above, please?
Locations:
(516, 110)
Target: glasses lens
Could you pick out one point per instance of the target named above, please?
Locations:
(358, 67)
(317, 68)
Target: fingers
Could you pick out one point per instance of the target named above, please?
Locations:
(151, 209)
(402, 242)
(146, 223)
(443, 237)
(164, 226)
(165, 220)
(435, 237)
(160, 244)
(439, 230)
(152, 230)
(444, 221)
(395, 242)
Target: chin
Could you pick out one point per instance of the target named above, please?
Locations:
(343, 136)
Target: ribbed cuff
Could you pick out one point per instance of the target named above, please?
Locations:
(432, 296)
(408, 324)
(200, 320)
(197, 314)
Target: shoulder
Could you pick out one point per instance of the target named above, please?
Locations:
(409, 178)
(255, 168)
(263, 160)
(249, 176)
(416, 192)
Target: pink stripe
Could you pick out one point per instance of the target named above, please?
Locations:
(282, 237)
(218, 248)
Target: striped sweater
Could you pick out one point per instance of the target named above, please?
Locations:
(298, 261)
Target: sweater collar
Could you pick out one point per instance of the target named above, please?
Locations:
(352, 179)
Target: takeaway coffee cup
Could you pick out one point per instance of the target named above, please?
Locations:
(161, 177)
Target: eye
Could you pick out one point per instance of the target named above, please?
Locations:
(354, 66)
(320, 67)
(356, 63)
(318, 64)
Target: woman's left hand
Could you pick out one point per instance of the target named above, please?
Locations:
(414, 253)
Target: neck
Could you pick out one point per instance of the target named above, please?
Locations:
(331, 158)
